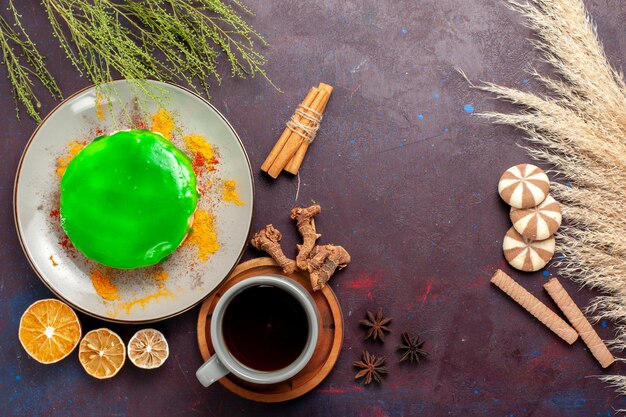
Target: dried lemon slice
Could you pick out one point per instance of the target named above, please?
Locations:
(148, 349)
(49, 330)
(102, 353)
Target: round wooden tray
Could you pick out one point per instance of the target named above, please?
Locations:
(326, 351)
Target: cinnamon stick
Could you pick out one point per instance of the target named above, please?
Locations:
(579, 321)
(294, 164)
(296, 137)
(535, 307)
(280, 143)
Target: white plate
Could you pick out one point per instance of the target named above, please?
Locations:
(142, 297)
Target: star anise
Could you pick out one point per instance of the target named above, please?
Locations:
(371, 368)
(377, 325)
(412, 348)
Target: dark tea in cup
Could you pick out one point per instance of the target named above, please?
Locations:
(265, 328)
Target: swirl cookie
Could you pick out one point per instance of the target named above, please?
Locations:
(537, 223)
(525, 254)
(523, 186)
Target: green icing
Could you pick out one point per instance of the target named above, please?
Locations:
(126, 199)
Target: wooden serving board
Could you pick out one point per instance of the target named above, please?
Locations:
(326, 351)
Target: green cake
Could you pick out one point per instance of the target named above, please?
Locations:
(127, 200)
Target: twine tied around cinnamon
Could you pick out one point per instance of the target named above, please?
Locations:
(301, 129)
(308, 130)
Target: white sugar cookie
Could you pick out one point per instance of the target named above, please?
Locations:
(525, 254)
(524, 186)
(537, 223)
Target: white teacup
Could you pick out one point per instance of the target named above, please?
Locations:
(224, 361)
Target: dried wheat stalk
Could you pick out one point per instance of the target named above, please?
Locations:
(580, 128)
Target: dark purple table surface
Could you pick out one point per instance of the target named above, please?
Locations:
(406, 176)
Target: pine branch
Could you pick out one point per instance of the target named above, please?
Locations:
(164, 40)
(24, 63)
(129, 37)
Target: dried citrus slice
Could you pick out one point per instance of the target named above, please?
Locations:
(102, 353)
(49, 330)
(148, 349)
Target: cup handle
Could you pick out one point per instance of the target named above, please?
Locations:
(211, 371)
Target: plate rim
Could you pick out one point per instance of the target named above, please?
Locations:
(42, 276)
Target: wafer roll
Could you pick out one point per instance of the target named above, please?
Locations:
(580, 322)
(534, 306)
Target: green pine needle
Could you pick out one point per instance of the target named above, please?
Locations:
(24, 62)
(163, 40)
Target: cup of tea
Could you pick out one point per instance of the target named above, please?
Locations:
(264, 330)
